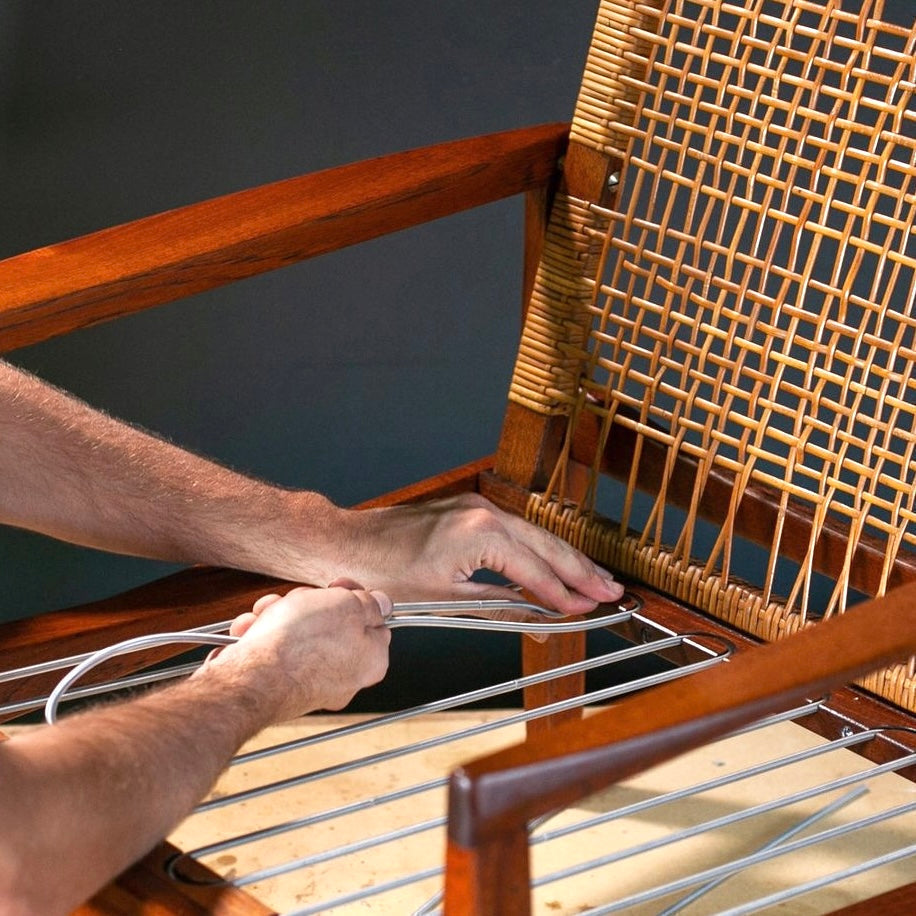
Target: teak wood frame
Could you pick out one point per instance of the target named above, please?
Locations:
(155, 260)
(410, 187)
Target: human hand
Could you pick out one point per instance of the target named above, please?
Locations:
(431, 550)
(311, 648)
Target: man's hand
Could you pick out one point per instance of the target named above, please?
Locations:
(107, 784)
(431, 550)
(76, 474)
(310, 649)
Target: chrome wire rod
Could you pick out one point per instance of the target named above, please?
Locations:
(463, 699)
(381, 721)
(725, 821)
(125, 648)
(403, 614)
(371, 891)
(719, 782)
(311, 820)
(59, 664)
(743, 862)
(595, 696)
(836, 805)
(298, 823)
(338, 852)
(454, 614)
(824, 881)
(426, 614)
(429, 906)
(93, 690)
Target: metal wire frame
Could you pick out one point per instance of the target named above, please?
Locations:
(700, 882)
(694, 886)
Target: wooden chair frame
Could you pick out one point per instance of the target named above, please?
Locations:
(161, 258)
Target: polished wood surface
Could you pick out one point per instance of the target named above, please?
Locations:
(492, 799)
(161, 258)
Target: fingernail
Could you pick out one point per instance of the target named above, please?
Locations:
(385, 604)
(612, 586)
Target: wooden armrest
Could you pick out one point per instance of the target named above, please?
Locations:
(155, 260)
(492, 799)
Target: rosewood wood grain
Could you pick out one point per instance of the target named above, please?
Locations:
(537, 209)
(161, 258)
(529, 446)
(492, 799)
(488, 882)
(562, 649)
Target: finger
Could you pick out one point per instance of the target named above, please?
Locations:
(344, 582)
(523, 565)
(242, 624)
(264, 602)
(377, 606)
(576, 571)
(385, 604)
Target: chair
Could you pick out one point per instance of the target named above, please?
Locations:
(718, 353)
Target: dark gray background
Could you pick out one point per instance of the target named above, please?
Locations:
(351, 374)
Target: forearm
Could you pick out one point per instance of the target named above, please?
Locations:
(84, 799)
(76, 474)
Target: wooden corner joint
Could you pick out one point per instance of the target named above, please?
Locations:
(591, 175)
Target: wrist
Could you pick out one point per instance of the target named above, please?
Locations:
(290, 534)
(247, 687)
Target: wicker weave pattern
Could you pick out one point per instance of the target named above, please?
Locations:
(755, 309)
(549, 359)
(611, 82)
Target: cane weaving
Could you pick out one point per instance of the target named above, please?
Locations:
(747, 297)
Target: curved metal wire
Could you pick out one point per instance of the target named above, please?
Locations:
(452, 614)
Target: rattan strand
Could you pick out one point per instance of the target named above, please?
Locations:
(546, 376)
(751, 304)
(609, 88)
(737, 603)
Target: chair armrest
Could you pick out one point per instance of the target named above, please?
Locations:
(492, 799)
(155, 260)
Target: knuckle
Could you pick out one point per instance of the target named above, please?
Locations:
(472, 501)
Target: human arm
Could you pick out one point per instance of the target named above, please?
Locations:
(74, 473)
(83, 799)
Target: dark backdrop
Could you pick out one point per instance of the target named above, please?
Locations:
(352, 374)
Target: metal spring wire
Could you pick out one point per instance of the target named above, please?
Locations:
(407, 614)
(706, 877)
(452, 702)
(427, 614)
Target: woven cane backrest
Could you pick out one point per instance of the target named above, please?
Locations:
(737, 308)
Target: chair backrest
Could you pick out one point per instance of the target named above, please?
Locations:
(724, 312)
